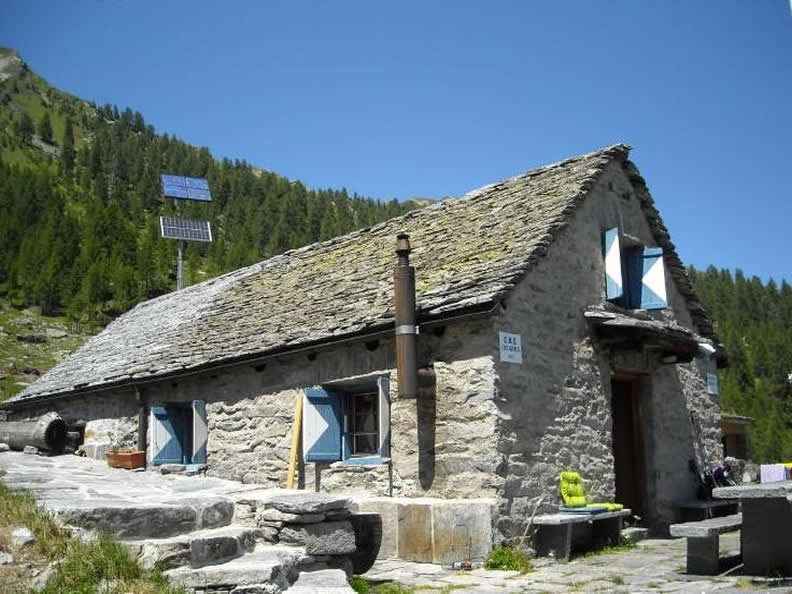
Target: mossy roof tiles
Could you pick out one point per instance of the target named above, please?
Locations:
(467, 252)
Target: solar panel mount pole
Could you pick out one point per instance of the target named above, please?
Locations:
(180, 250)
(180, 267)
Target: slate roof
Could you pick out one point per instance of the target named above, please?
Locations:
(468, 254)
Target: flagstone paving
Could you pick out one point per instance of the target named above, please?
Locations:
(654, 565)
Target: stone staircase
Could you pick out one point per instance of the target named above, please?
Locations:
(211, 535)
(198, 545)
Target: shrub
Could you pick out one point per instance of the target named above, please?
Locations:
(359, 585)
(508, 558)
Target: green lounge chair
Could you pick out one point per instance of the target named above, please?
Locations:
(575, 497)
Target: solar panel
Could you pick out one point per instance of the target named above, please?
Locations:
(189, 188)
(186, 229)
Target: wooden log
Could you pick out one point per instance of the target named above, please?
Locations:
(48, 433)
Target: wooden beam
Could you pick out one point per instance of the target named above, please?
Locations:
(295, 444)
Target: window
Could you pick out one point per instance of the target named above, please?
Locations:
(179, 433)
(347, 424)
(363, 424)
(634, 273)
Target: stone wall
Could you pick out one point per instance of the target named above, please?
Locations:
(685, 423)
(250, 408)
(555, 407)
(250, 411)
(443, 442)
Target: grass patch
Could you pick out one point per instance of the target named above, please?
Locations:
(18, 508)
(81, 568)
(363, 586)
(105, 563)
(16, 355)
(508, 559)
(745, 583)
(623, 546)
(616, 580)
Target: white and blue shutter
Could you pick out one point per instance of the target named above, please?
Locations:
(614, 287)
(383, 416)
(200, 432)
(322, 420)
(166, 448)
(653, 287)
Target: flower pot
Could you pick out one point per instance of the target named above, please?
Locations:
(127, 459)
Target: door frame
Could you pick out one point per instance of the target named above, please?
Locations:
(181, 417)
(639, 426)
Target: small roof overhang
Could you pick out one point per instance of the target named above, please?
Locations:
(633, 330)
(737, 419)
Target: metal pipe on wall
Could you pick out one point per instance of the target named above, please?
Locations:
(406, 330)
(142, 419)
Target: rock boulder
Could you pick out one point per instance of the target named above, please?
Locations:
(325, 538)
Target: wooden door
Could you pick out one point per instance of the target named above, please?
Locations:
(628, 451)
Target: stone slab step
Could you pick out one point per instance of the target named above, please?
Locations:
(326, 581)
(196, 549)
(635, 534)
(148, 520)
(265, 565)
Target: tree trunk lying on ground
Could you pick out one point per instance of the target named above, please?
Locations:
(48, 433)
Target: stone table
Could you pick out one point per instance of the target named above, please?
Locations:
(767, 524)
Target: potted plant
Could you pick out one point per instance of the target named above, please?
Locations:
(120, 457)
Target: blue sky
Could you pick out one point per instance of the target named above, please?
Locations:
(432, 99)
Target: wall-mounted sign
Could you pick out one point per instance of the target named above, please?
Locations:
(712, 384)
(510, 347)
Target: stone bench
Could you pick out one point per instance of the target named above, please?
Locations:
(703, 557)
(698, 509)
(559, 534)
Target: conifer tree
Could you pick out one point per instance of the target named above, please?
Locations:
(25, 127)
(45, 127)
(67, 147)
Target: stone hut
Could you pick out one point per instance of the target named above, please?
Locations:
(736, 436)
(558, 331)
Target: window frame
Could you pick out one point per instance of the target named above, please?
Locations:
(351, 399)
(329, 426)
(634, 283)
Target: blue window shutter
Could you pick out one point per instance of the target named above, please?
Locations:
(165, 430)
(200, 432)
(321, 425)
(383, 416)
(614, 287)
(653, 289)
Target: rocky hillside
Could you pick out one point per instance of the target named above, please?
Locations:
(30, 344)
